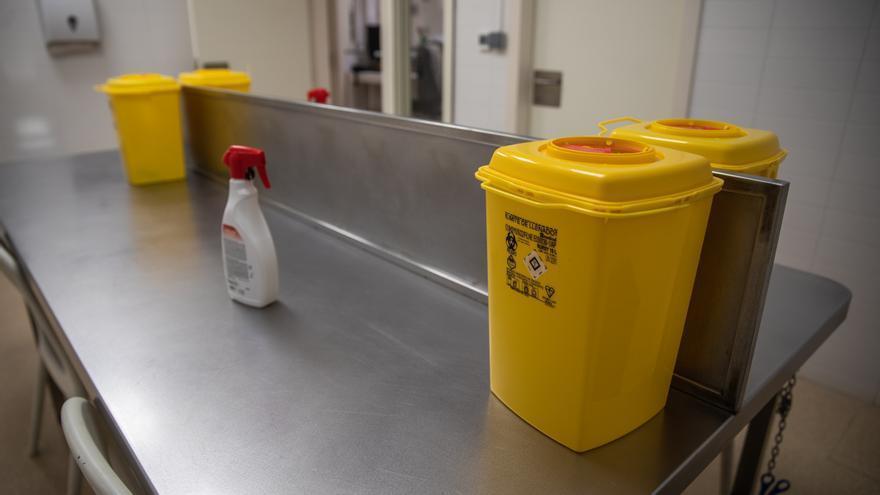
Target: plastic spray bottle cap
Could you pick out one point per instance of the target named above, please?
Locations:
(242, 160)
(318, 95)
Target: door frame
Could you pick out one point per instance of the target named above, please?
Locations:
(520, 19)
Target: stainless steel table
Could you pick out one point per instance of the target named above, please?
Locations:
(363, 378)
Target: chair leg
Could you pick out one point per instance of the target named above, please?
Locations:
(37, 411)
(74, 477)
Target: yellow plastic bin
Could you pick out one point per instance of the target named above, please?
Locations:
(146, 109)
(217, 78)
(593, 244)
(728, 147)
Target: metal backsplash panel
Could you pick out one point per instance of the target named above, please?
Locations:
(404, 189)
(404, 186)
(730, 287)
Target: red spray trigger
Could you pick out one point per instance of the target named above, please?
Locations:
(318, 95)
(241, 161)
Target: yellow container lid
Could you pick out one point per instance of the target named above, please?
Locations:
(138, 84)
(724, 144)
(214, 77)
(600, 174)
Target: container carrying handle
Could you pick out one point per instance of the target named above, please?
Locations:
(530, 202)
(603, 126)
(545, 206)
(488, 186)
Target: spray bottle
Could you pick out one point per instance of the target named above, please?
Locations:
(250, 264)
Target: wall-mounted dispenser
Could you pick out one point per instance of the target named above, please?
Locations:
(69, 22)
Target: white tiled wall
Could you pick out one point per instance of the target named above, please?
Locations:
(47, 103)
(810, 71)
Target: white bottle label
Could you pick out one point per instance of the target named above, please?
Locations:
(238, 273)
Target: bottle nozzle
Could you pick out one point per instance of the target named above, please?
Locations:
(318, 95)
(242, 159)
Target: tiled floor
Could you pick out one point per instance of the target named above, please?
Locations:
(832, 443)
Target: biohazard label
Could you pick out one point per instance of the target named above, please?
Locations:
(540, 243)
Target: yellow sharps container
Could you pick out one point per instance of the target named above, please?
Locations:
(728, 147)
(593, 244)
(217, 78)
(146, 109)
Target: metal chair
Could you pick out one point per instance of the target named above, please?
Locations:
(81, 431)
(53, 362)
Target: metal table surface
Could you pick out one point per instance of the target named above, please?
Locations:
(363, 378)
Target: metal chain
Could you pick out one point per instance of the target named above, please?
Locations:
(783, 409)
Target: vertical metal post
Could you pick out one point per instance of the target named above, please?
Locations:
(395, 43)
(753, 450)
(448, 76)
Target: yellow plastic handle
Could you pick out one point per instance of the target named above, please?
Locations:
(603, 126)
(531, 202)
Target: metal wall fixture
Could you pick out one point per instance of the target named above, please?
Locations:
(547, 89)
(404, 190)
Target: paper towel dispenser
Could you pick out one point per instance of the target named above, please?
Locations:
(68, 22)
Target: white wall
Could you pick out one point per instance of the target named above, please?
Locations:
(269, 39)
(810, 70)
(480, 78)
(47, 104)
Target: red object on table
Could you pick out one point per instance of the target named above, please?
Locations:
(318, 95)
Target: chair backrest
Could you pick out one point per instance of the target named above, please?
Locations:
(51, 352)
(81, 432)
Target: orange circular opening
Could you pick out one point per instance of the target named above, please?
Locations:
(601, 150)
(695, 127)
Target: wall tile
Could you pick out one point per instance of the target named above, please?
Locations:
(803, 133)
(854, 264)
(847, 361)
(819, 90)
(823, 13)
(869, 76)
(851, 227)
(754, 14)
(723, 95)
(54, 96)
(814, 104)
(805, 189)
(858, 163)
(844, 43)
(739, 116)
(854, 198)
(861, 170)
(872, 47)
(732, 41)
(810, 73)
(802, 217)
(861, 139)
(730, 69)
(796, 249)
(818, 162)
(866, 109)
